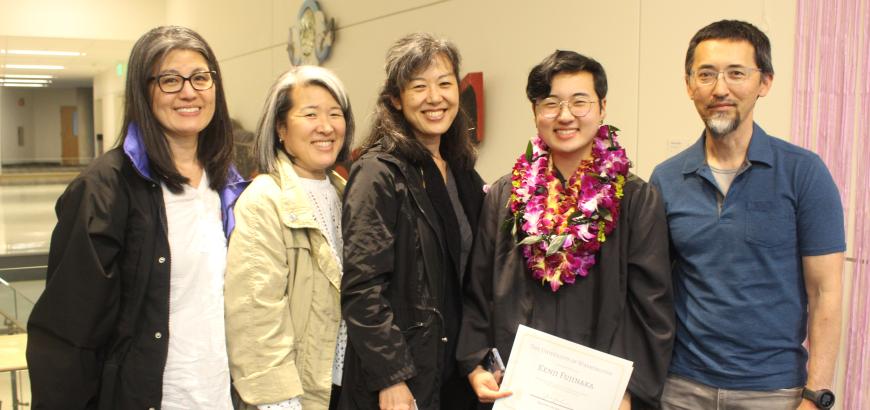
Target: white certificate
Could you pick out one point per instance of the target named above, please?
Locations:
(548, 372)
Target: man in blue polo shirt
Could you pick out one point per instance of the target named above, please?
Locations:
(757, 241)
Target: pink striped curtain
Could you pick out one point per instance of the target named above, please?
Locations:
(831, 115)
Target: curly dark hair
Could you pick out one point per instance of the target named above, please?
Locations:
(391, 130)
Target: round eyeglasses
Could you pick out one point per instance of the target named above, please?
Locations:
(173, 83)
(732, 75)
(551, 107)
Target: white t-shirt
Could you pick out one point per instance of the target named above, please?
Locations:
(197, 370)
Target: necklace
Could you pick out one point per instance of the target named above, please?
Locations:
(563, 226)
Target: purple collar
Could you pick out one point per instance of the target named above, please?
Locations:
(134, 148)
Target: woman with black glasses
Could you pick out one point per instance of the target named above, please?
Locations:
(132, 313)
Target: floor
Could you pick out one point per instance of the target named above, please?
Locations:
(26, 220)
(27, 217)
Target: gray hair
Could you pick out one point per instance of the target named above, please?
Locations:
(279, 103)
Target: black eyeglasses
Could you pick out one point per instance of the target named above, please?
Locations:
(173, 83)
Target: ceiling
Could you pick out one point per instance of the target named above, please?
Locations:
(79, 71)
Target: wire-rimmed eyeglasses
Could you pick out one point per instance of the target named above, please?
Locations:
(551, 107)
(732, 75)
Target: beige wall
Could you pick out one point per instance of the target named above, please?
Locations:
(667, 119)
(16, 110)
(85, 102)
(47, 103)
(92, 19)
(641, 46)
(109, 97)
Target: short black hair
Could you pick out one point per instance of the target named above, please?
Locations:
(734, 30)
(562, 61)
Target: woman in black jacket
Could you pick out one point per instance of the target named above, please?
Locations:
(132, 312)
(410, 209)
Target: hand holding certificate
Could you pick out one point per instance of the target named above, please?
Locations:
(548, 372)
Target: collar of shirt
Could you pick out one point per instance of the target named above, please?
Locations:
(759, 152)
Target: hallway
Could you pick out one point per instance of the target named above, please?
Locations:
(26, 220)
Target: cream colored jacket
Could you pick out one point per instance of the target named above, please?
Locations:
(282, 294)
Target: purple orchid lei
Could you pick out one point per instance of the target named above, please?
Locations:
(564, 226)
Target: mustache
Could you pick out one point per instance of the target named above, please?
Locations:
(723, 101)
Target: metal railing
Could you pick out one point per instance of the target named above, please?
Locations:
(15, 309)
(27, 270)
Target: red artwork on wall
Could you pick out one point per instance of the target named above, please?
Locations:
(471, 101)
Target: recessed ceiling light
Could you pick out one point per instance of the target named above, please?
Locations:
(34, 67)
(21, 85)
(23, 81)
(48, 76)
(42, 53)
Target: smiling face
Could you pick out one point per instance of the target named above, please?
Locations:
(725, 107)
(313, 131)
(569, 137)
(430, 100)
(186, 113)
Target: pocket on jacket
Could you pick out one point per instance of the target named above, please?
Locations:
(769, 225)
(296, 238)
(420, 335)
(423, 343)
(299, 259)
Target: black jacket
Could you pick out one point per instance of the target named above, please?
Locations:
(398, 256)
(623, 307)
(98, 335)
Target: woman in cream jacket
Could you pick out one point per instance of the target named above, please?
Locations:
(284, 332)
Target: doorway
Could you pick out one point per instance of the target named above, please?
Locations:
(69, 130)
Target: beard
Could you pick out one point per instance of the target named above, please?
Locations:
(721, 124)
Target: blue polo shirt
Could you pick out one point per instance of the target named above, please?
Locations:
(739, 291)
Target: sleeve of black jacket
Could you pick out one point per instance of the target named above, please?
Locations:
(74, 317)
(476, 334)
(369, 218)
(647, 332)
